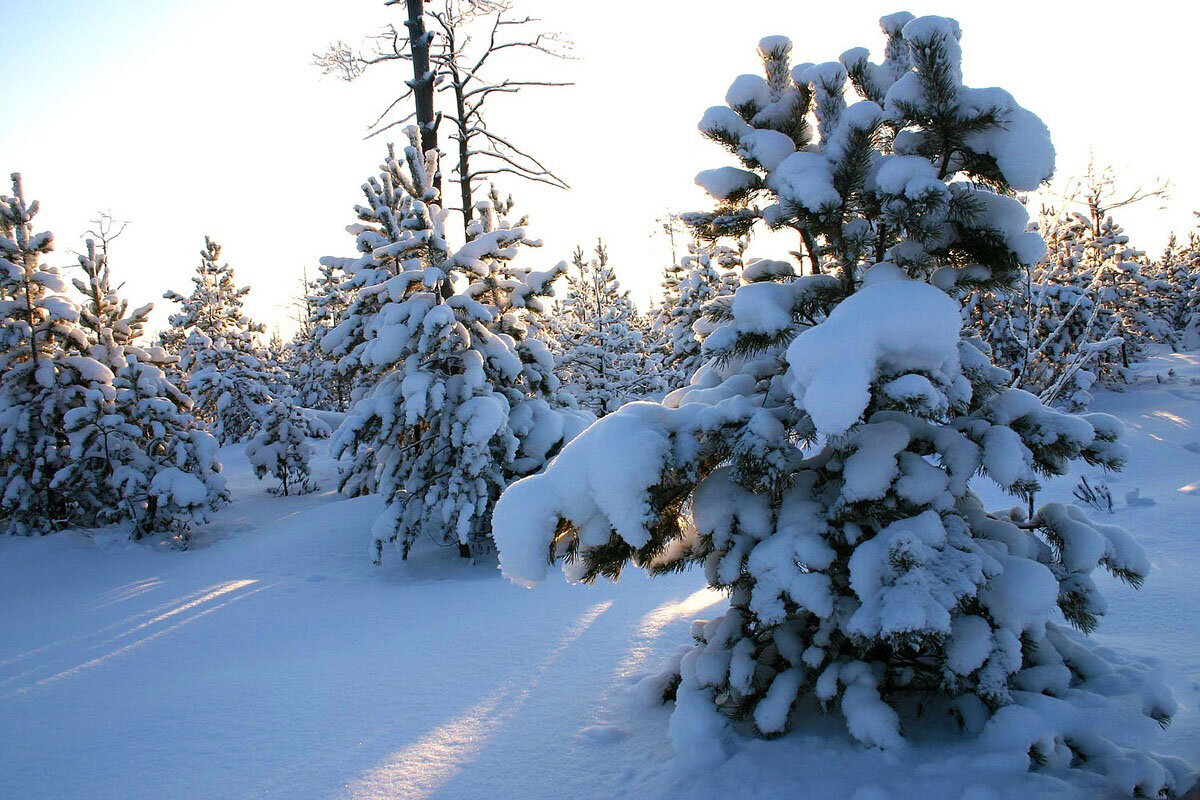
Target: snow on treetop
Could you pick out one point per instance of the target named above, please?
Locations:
(923, 30)
(828, 73)
(854, 55)
(862, 116)
(748, 90)
(927, 32)
(893, 24)
(769, 45)
(722, 122)
(767, 147)
(889, 326)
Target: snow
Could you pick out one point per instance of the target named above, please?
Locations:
(748, 91)
(766, 147)
(890, 326)
(724, 183)
(294, 667)
(806, 179)
(1020, 143)
(722, 122)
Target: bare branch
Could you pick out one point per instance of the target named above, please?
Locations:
(557, 184)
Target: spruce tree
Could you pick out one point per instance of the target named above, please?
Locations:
(818, 469)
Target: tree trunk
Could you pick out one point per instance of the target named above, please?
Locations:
(422, 83)
(464, 173)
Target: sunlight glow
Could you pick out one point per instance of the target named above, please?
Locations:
(651, 625)
(1167, 415)
(219, 591)
(421, 768)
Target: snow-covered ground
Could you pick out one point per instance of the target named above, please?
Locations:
(273, 659)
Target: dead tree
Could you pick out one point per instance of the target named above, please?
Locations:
(456, 57)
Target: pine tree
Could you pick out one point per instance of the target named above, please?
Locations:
(228, 374)
(1188, 320)
(1048, 329)
(599, 338)
(170, 479)
(136, 451)
(706, 273)
(396, 233)
(316, 378)
(457, 410)
(281, 448)
(818, 469)
(43, 374)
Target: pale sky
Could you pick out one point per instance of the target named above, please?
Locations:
(206, 117)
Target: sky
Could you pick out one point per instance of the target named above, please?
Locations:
(207, 118)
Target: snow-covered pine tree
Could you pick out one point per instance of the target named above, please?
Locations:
(456, 413)
(318, 382)
(1189, 315)
(395, 228)
(707, 272)
(1048, 329)
(43, 374)
(395, 213)
(136, 451)
(598, 337)
(228, 374)
(281, 448)
(171, 479)
(818, 468)
(1175, 282)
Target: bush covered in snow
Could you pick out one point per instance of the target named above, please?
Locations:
(818, 465)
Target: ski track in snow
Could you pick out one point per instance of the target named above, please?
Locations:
(273, 660)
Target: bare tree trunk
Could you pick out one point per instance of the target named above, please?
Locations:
(464, 165)
(422, 83)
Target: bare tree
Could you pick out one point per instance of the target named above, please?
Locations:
(457, 58)
(105, 229)
(1097, 190)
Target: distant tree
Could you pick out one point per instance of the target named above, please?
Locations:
(706, 273)
(314, 374)
(281, 448)
(600, 338)
(228, 373)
